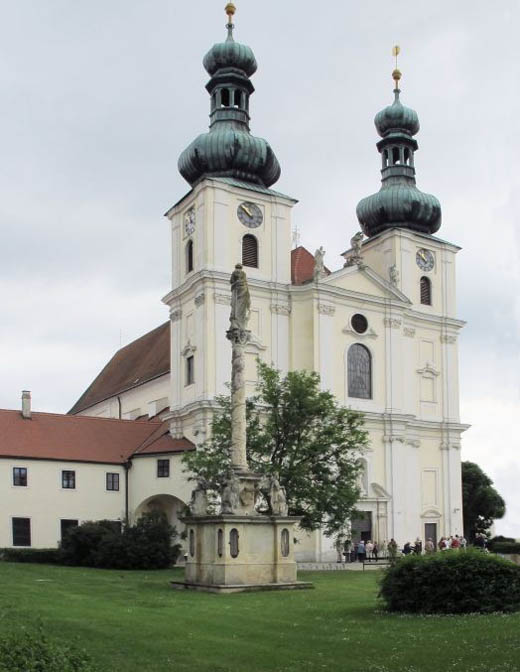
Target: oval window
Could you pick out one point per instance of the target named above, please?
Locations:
(359, 323)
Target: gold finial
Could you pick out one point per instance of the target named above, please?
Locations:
(230, 10)
(396, 74)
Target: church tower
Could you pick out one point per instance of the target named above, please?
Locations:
(420, 408)
(230, 216)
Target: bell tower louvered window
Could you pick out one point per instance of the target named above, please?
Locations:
(249, 251)
(359, 372)
(426, 291)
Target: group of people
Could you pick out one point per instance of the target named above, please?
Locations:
(367, 551)
(446, 543)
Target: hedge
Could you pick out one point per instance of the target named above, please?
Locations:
(452, 582)
(506, 547)
(46, 556)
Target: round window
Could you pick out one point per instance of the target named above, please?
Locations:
(359, 323)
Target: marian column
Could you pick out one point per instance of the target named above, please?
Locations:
(239, 335)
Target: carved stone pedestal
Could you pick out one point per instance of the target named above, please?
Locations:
(237, 553)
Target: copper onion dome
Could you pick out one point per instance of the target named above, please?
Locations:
(399, 203)
(229, 149)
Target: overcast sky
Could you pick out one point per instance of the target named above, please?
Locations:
(99, 97)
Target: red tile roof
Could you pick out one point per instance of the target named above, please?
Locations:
(144, 359)
(302, 266)
(81, 438)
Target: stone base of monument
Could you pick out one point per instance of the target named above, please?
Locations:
(238, 553)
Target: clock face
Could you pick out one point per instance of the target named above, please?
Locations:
(250, 215)
(425, 260)
(189, 222)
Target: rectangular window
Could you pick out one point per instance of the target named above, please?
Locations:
(190, 370)
(112, 481)
(68, 480)
(20, 476)
(163, 468)
(21, 531)
(66, 525)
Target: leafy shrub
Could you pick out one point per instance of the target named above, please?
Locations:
(145, 545)
(46, 556)
(35, 653)
(452, 582)
(80, 545)
(506, 547)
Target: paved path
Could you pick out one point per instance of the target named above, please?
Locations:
(330, 566)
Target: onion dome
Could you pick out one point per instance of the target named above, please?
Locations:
(399, 203)
(229, 149)
(397, 117)
(230, 54)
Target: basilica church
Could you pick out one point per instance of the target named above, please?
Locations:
(381, 331)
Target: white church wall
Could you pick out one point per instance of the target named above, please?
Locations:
(46, 502)
(148, 398)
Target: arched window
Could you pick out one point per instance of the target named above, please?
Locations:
(220, 542)
(385, 158)
(426, 291)
(249, 251)
(233, 543)
(359, 372)
(189, 256)
(396, 156)
(224, 97)
(284, 543)
(238, 98)
(192, 543)
(406, 155)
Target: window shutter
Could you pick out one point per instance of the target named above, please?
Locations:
(249, 251)
(426, 291)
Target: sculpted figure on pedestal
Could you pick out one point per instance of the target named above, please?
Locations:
(278, 498)
(240, 299)
(355, 244)
(319, 264)
(199, 501)
(230, 496)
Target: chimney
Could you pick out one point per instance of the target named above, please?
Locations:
(26, 404)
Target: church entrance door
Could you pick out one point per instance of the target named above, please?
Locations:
(430, 532)
(362, 526)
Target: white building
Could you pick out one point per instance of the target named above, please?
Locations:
(381, 331)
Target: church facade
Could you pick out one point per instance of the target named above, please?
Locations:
(381, 331)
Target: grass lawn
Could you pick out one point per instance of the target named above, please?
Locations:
(130, 621)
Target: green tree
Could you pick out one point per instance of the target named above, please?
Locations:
(298, 433)
(481, 502)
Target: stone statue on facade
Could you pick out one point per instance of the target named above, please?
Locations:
(240, 299)
(355, 244)
(319, 264)
(278, 498)
(393, 274)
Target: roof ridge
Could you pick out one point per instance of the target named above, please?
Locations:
(161, 326)
(87, 417)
